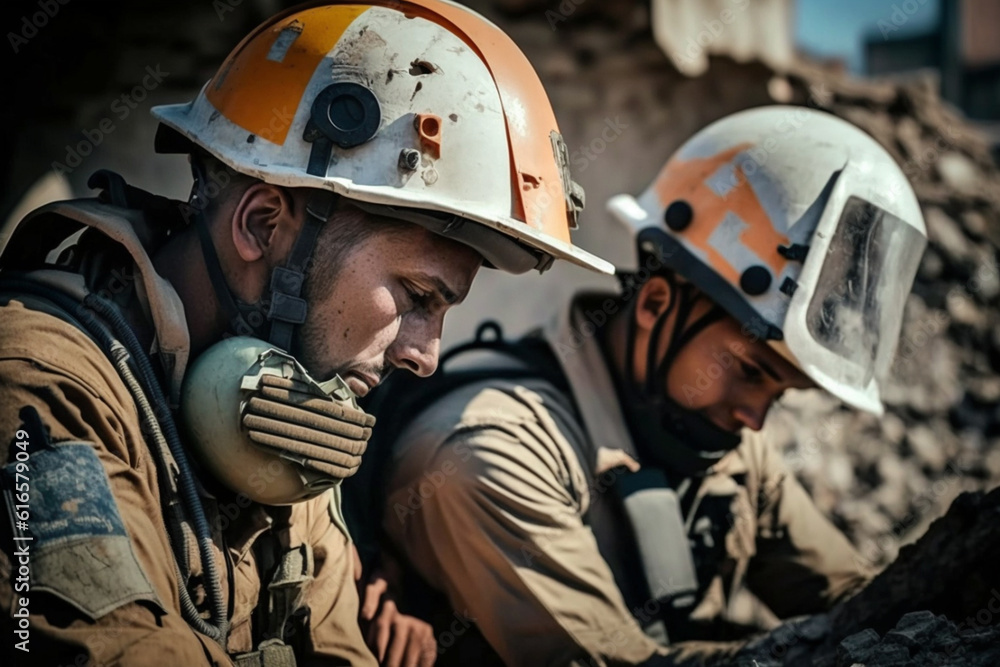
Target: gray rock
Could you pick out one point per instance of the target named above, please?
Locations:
(931, 266)
(855, 649)
(959, 172)
(974, 223)
(992, 460)
(963, 310)
(984, 279)
(927, 380)
(908, 133)
(947, 235)
(915, 628)
(893, 428)
(984, 389)
(888, 655)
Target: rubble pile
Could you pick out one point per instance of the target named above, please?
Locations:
(949, 574)
(919, 639)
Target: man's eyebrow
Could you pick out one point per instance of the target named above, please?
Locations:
(766, 367)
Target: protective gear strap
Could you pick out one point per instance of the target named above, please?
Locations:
(654, 513)
(686, 442)
(656, 376)
(270, 653)
(288, 588)
(288, 308)
(237, 322)
(630, 381)
(683, 335)
(286, 595)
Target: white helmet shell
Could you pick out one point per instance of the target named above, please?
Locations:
(431, 110)
(802, 227)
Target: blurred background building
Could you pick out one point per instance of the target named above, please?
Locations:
(82, 76)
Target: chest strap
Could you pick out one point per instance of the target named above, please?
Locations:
(287, 593)
(270, 653)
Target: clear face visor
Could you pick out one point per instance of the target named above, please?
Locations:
(843, 328)
(856, 311)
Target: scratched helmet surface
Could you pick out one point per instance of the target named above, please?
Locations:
(423, 108)
(800, 226)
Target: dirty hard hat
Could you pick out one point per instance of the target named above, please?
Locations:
(421, 110)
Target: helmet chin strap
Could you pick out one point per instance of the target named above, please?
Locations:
(666, 433)
(288, 307)
(238, 315)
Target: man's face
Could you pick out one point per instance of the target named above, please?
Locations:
(731, 378)
(386, 307)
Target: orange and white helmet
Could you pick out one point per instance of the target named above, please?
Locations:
(800, 226)
(423, 109)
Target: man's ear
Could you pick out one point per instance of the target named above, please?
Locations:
(653, 299)
(263, 222)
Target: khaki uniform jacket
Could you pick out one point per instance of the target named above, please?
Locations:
(109, 593)
(498, 495)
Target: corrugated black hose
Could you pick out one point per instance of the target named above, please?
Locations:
(159, 425)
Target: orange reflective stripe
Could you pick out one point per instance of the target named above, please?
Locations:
(537, 183)
(262, 95)
(687, 179)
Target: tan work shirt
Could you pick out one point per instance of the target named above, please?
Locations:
(111, 595)
(499, 496)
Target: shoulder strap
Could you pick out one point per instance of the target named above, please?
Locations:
(654, 514)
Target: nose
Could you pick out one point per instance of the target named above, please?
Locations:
(749, 418)
(751, 411)
(417, 347)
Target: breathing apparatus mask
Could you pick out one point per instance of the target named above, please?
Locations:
(262, 426)
(255, 418)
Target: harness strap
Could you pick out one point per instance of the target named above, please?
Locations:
(654, 513)
(285, 594)
(288, 588)
(270, 653)
(288, 307)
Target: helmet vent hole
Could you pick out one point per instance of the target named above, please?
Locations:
(430, 126)
(421, 68)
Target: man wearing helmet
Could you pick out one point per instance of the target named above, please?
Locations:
(597, 493)
(170, 513)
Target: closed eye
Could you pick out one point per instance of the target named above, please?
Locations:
(421, 300)
(751, 372)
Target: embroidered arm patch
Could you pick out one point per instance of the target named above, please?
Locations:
(79, 548)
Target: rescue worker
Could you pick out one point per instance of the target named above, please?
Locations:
(355, 164)
(598, 492)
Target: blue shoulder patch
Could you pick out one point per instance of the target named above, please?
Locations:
(70, 496)
(64, 514)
